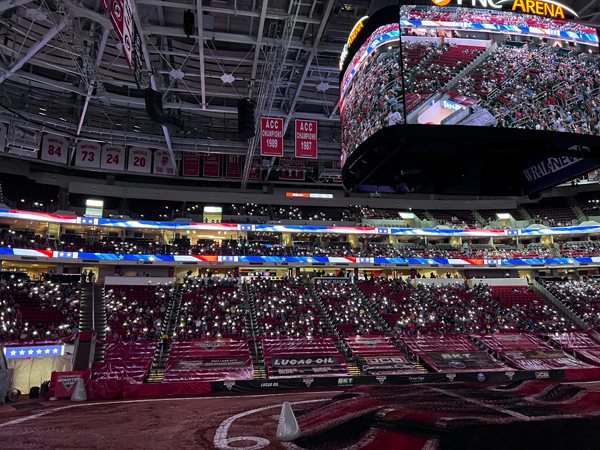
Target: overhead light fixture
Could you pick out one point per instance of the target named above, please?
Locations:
(227, 78)
(177, 74)
(322, 86)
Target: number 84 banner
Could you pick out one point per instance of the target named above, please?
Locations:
(54, 148)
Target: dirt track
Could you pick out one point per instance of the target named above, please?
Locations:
(149, 423)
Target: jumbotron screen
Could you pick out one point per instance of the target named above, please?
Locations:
(493, 67)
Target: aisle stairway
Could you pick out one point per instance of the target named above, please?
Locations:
(92, 325)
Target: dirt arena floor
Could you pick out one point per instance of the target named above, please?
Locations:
(360, 418)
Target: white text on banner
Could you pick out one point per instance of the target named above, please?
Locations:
(306, 139)
(271, 136)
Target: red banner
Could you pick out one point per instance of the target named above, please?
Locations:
(191, 164)
(116, 17)
(64, 383)
(291, 169)
(211, 166)
(306, 139)
(255, 169)
(234, 166)
(271, 133)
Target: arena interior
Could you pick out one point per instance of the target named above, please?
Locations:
(299, 224)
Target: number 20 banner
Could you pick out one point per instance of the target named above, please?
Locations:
(140, 160)
(271, 137)
(306, 139)
(54, 148)
(88, 154)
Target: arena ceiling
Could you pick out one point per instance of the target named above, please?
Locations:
(62, 69)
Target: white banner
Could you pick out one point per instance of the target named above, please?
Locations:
(140, 160)
(54, 148)
(88, 154)
(113, 157)
(162, 163)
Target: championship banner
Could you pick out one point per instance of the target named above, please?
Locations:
(54, 148)
(88, 154)
(3, 131)
(462, 362)
(302, 365)
(234, 166)
(211, 363)
(162, 163)
(140, 160)
(306, 139)
(387, 365)
(291, 169)
(113, 157)
(211, 166)
(191, 164)
(271, 137)
(255, 169)
(64, 382)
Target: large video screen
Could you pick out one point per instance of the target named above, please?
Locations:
(478, 67)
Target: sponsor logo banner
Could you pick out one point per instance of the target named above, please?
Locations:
(387, 364)
(536, 354)
(306, 365)
(211, 363)
(459, 361)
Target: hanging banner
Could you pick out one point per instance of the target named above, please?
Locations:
(271, 137)
(136, 57)
(162, 163)
(291, 169)
(462, 361)
(254, 173)
(113, 157)
(88, 154)
(127, 31)
(211, 166)
(140, 160)
(306, 139)
(191, 164)
(3, 131)
(234, 166)
(116, 17)
(54, 148)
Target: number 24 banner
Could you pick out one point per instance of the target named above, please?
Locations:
(306, 139)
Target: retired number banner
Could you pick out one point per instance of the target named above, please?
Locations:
(88, 154)
(140, 160)
(271, 137)
(306, 139)
(54, 148)
(113, 157)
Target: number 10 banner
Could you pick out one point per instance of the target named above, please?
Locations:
(271, 137)
(306, 139)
